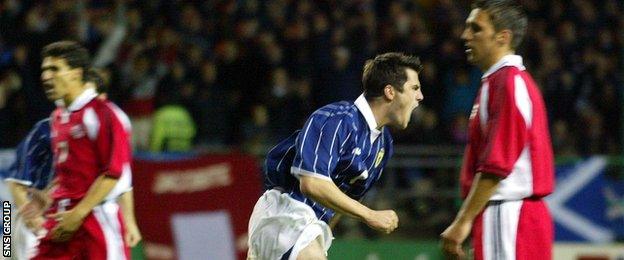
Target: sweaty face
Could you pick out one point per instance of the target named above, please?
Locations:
(55, 76)
(405, 102)
(479, 38)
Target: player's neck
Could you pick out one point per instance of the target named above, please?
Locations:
(494, 58)
(379, 112)
(73, 92)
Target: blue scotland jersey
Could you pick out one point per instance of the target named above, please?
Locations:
(33, 160)
(12, 169)
(339, 143)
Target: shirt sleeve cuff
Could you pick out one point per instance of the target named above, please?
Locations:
(114, 175)
(494, 170)
(297, 172)
(18, 181)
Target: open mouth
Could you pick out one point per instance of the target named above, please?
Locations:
(48, 87)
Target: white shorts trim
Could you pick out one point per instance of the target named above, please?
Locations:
(107, 216)
(24, 240)
(500, 228)
(279, 222)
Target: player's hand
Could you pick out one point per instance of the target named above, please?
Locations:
(453, 238)
(40, 198)
(133, 235)
(67, 224)
(35, 224)
(383, 220)
(32, 209)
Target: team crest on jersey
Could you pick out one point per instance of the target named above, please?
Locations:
(77, 131)
(380, 156)
(474, 111)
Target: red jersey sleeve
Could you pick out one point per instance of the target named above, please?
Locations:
(113, 141)
(506, 132)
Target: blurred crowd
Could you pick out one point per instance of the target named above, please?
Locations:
(247, 73)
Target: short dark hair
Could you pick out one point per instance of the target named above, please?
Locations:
(387, 69)
(95, 76)
(506, 14)
(74, 54)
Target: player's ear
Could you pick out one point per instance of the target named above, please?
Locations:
(504, 37)
(389, 92)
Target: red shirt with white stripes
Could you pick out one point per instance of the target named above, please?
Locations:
(508, 134)
(89, 138)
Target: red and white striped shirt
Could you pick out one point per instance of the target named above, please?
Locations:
(508, 134)
(89, 138)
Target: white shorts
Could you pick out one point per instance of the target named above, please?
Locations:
(24, 240)
(279, 223)
(515, 229)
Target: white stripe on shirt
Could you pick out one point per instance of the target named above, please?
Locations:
(332, 148)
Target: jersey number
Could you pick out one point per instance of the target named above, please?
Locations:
(62, 151)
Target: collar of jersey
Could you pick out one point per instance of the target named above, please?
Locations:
(366, 111)
(85, 97)
(507, 60)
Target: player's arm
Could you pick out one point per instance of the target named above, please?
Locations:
(43, 198)
(30, 211)
(19, 192)
(319, 152)
(482, 189)
(480, 193)
(102, 186)
(69, 221)
(133, 235)
(327, 194)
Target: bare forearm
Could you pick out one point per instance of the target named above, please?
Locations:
(483, 187)
(19, 193)
(328, 195)
(126, 201)
(96, 194)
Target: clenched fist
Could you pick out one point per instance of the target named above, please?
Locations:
(382, 220)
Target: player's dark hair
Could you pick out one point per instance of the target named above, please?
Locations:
(506, 14)
(74, 54)
(95, 76)
(387, 69)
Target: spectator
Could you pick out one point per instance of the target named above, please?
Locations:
(574, 48)
(173, 130)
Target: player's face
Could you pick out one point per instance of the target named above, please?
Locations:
(479, 38)
(405, 102)
(56, 76)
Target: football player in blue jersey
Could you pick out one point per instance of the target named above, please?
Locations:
(32, 169)
(322, 170)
